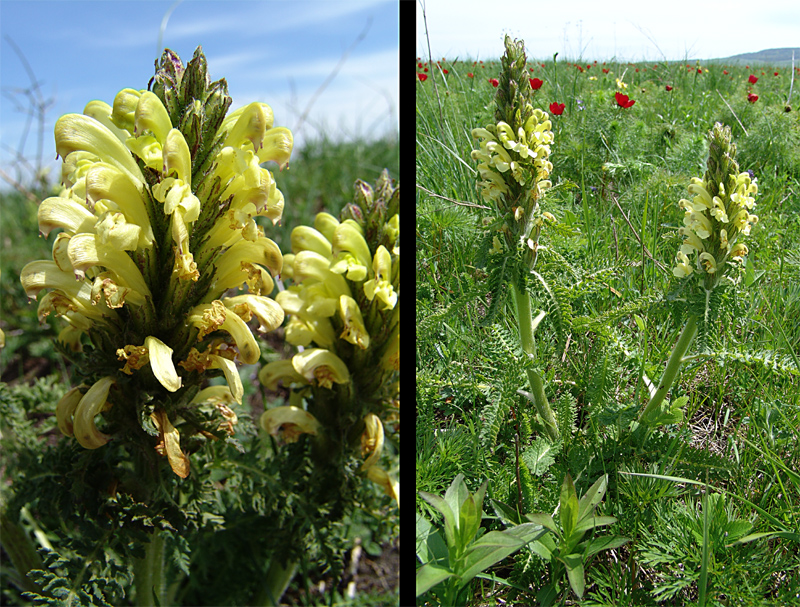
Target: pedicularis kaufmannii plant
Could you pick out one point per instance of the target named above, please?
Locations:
(514, 170)
(344, 314)
(716, 221)
(157, 216)
(163, 276)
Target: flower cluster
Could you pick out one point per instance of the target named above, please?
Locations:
(157, 223)
(343, 310)
(513, 155)
(718, 215)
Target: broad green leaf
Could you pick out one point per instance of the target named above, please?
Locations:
(736, 529)
(504, 511)
(569, 506)
(469, 523)
(593, 496)
(450, 522)
(456, 493)
(478, 497)
(594, 521)
(492, 548)
(424, 528)
(574, 565)
(543, 519)
(538, 547)
(429, 575)
(605, 542)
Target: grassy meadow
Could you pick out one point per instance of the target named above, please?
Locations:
(706, 505)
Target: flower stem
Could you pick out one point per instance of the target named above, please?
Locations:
(525, 320)
(279, 577)
(149, 573)
(671, 371)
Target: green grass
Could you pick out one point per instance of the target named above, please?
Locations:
(618, 175)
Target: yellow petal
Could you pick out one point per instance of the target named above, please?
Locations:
(294, 420)
(251, 125)
(90, 405)
(305, 238)
(151, 116)
(86, 252)
(276, 146)
(390, 487)
(171, 443)
(105, 182)
(177, 158)
(321, 366)
(66, 214)
(279, 370)
(66, 408)
(161, 363)
(268, 312)
(326, 224)
(354, 330)
(371, 440)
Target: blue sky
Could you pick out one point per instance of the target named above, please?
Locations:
(277, 52)
(628, 30)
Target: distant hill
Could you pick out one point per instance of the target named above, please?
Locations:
(772, 56)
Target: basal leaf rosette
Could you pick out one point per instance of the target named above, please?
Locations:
(159, 264)
(718, 216)
(343, 315)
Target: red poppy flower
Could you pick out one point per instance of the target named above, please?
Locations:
(557, 108)
(725, 72)
(752, 98)
(470, 75)
(536, 84)
(669, 88)
(495, 82)
(699, 71)
(605, 70)
(775, 74)
(623, 100)
(753, 79)
(444, 71)
(422, 77)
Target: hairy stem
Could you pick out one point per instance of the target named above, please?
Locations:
(671, 371)
(149, 573)
(539, 399)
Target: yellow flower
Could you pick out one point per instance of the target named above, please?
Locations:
(381, 286)
(90, 404)
(292, 420)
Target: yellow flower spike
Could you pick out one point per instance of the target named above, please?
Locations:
(170, 444)
(293, 420)
(85, 253)
(701, 195)
(113, 230)
(105, 182)
(354, 330)
(76, 132)
(279, 370)
(252, 122)
(135, 357)
(215, 316)
(306, 238)
(123, 113)
(322, 366)
(381, 286)
(276, 147)
(326, 224)
(683, 268)
(351, 252)
(65, 409)
(85, 411)
(64, 213)
(708, 262)
(151, 117)
(161, 363)
(266, 310)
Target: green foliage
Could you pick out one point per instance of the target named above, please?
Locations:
(469, 551)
